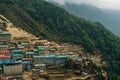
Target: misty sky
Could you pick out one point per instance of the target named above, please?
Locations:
(107, 4)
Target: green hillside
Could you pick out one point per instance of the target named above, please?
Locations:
(109, 18)
(53, 23)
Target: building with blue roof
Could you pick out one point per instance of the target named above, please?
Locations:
(35, 50)
(11, 67)
(26, 62)
(50, 59)
(17, 51)
(8, 62)
(1, 62)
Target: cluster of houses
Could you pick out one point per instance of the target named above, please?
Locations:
(21, 56)
(37, 55)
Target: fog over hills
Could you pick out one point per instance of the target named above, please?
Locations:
(110, 18)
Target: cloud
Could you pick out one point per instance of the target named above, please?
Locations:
(106, 4)
(109, 4)
(62, 2)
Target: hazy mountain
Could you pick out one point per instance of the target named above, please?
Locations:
(109, 18)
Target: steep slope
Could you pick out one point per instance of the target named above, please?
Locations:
(17, 32)
(107, 17)
(44, 19)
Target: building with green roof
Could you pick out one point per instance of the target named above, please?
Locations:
(24, 44)
(5, 36)
(17, 54)
(30, 54)
(50, 59)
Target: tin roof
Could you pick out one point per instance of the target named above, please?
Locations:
(39, 65)
(3, 40)
(17, 55)
(17, 50)
(3, 46)
(5, 55)
(61, 57)
(25, 62)
(41, 48)
(27, 59)
(41, 41)
(38, 56)
(6, 33)
(16, 76)
(50, 56)
(35, 50)
(30, 53)
(52, 49)
(58, 46)
(9, 61)
(24, 44)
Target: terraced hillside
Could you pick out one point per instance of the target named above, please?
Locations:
(53, 23)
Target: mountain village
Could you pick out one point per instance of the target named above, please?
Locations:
(26, 57)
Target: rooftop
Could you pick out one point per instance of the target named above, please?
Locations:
(17, 76)
(8, 62)
(40, 65)
(25, 62)
(30, 53)
(38, 56)
(17, 55)
(19, 50)
(3, 46)
(42, 41)
(3, 40)
(26, 59)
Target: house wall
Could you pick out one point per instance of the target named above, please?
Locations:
(60, 61)
(49, 60)
(40, 66)
(39, 60)
(5, 36)
(12, 69)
